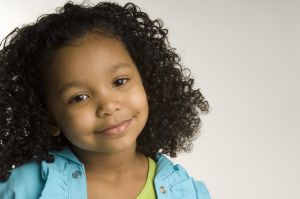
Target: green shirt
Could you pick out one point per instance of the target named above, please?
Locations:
(148, 191)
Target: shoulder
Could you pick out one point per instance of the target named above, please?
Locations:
(173, 181)
(24, 182)
(41, 179)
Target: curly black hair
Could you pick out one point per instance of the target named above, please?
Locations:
(174, 105)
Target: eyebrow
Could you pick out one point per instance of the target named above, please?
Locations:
(119, 66)
(79, 83)
(66, 86)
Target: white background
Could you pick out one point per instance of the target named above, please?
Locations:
(245, 56)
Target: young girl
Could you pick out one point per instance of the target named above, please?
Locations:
(91, 99)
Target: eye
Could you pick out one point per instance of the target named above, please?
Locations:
(78, 98)
(120, 82)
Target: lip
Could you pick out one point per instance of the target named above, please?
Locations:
(116, 129)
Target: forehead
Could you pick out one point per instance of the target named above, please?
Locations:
(88, 58)
(92, 49)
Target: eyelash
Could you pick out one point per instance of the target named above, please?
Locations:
(73, 100)
(123, 78)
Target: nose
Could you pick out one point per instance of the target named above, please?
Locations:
(107, 105)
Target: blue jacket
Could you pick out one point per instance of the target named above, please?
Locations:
(65, 179)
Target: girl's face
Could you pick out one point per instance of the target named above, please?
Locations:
(96, 96)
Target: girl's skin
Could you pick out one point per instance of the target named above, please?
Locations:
(108, 91)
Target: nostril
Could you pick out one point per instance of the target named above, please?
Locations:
(107, 112)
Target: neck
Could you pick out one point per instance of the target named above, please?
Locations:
(113, 166)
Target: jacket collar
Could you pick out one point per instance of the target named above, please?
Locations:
(163, 164)
(162, 161)
(68, 154)
(172, 178)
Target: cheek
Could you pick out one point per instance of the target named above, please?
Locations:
(75, 122)
(138, 100)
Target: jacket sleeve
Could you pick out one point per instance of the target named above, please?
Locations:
(4, 191)
(24, 182)
(201, 190)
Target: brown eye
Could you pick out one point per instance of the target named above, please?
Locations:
(78, 98)
(121, 81)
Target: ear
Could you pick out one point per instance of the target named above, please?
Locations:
(55, 130)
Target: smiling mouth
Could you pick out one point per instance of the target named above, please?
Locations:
(117, 129)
